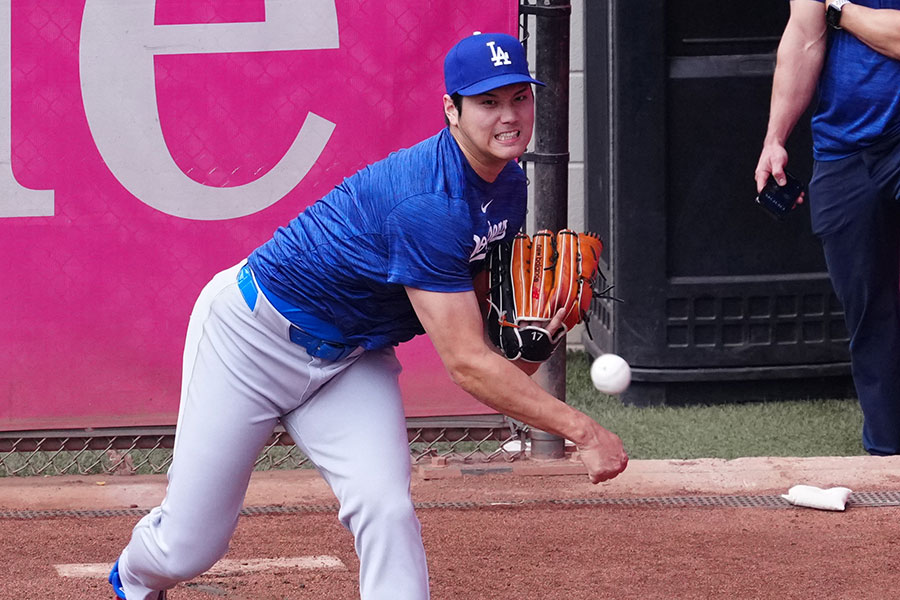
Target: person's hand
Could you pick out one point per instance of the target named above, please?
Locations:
(772, 162)
(604, 457)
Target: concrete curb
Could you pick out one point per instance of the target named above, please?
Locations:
(758, 475)
(708, 475)
(522, 478)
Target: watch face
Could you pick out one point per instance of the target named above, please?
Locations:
(833, 17)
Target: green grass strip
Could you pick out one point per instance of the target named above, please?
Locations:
(776, 428)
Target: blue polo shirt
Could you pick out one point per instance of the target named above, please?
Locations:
(420, 218)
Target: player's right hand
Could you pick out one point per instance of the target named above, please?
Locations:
(604, 457)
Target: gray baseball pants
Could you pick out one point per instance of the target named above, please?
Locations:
(241, 376)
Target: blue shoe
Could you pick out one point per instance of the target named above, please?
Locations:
(116, 582)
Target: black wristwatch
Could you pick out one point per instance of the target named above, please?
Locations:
(833, 14)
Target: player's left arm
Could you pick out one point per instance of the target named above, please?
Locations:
(878, 28)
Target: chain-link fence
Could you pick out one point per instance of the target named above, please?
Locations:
(148, 450)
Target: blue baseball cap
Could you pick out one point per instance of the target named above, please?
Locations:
(483, 62)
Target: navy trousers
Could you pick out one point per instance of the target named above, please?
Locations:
(855, 209)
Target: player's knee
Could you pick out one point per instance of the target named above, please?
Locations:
(397, 510)
(388, 508)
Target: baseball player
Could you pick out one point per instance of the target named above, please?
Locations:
(303, 332)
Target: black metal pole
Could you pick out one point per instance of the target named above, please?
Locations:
(551, 170)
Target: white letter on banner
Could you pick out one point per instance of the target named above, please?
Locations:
(118, 43)
(15, 200)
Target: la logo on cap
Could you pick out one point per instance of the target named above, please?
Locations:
(498, 56)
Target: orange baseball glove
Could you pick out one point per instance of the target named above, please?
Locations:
(530, 280)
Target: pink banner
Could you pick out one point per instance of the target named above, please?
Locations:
(153, 144)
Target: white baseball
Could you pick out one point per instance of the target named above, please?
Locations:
(610, 374)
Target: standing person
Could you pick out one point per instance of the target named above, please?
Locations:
(303, 333)
(850, 53)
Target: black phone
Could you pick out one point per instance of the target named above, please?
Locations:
(780, 200)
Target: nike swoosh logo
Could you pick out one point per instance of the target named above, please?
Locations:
(484, 207)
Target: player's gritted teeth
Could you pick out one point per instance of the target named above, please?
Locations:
(507, 136)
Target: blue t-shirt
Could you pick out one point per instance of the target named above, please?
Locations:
(420, 218)
(859, 95)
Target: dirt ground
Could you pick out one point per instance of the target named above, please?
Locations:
(507, 532)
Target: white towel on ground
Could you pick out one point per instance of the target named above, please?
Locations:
(806, 495)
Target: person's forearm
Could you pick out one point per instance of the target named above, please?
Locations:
(499, 384)
(799, 64)
(879, 29)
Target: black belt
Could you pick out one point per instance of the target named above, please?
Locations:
(314, 346)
